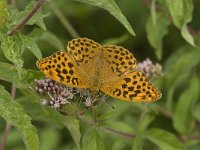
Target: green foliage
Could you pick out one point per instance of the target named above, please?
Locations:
(14, 114)
(182, 118)
(169, 124)
(156, 30)
(92, 140)
(113, 9)
(164, 140)
(2, 11)
(181, 12)
(73, 126)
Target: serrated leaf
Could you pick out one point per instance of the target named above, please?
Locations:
(181, 12)
(13, 47)
(113, 9)
(15, 17)
(30, 44)
(11, 14)
(156, 31)
(92, 140)
(37, 18)
(183, 107)
(9, 73)
(164, 139)
(14, 114)
(73, 126)
(3, 5)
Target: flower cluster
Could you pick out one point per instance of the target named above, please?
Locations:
(54, 94)
(152, 71)
(57, 95)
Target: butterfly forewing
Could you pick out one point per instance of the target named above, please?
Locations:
(120, 59)
(83, 49)
(133, 87)
(61, 68)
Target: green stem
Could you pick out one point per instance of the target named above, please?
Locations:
(13, 88)
(27, 18)
(65, 23)
(8, 126)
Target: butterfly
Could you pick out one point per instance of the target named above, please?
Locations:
(110, 69)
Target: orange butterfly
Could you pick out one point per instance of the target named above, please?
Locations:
(109, 68)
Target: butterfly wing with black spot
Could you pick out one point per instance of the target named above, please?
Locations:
(62, 68)
(134, 87)
(83, 49)
(120, 59)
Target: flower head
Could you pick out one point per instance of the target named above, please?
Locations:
(57, 95)
(152, 71)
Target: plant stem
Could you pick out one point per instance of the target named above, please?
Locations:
(95, 123)
(13, 88)
(5, 136)
(164, 112)
(127, 135)
(27, 18)
(13, 3)
(65, 23)
(8, 126)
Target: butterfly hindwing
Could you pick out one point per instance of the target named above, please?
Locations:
(133, 87)
(61, 68)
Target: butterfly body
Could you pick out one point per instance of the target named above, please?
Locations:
(110, 69)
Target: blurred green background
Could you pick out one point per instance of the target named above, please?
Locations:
(169, 124)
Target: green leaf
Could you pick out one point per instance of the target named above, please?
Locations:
(14, 114)
(138, 143)
(40, 35)
(177, 68)
(116, 41)
(153, 12)
(164, 139)
(13, 47)
(30, 44)
(73, 126)
(113, 9)
(156, 31)
(3, 5)
(181, 64)
(15, 17)
(181, 12)
(51, 143)
(9, 73)
(181, 118)
(10, 20)
(186, 35)
(119, 127)
(37, 18)
(196, 112)
(92, 140)
(144, 121)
